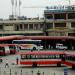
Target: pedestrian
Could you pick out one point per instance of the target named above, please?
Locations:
(49, 46)
(17, 61)
(6, 63)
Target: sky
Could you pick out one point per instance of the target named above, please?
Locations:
(6, 7)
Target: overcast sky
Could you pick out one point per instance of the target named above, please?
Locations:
(6, 7)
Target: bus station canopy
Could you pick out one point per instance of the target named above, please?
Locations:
(7, 38)
(50, 37)
(20, 37)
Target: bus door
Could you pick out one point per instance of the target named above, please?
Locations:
(13, 49)
(7, 50)
(2, 50)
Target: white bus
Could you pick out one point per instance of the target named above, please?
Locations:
(28, 44)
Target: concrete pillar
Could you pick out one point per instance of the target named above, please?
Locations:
(66, 16)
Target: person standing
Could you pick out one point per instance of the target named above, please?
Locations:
(17, 60)
(6, 63)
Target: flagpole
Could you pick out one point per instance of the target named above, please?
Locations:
(12, 2)
(19, 8)
(69, 2)
(15, 8)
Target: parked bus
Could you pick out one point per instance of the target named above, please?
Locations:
(13, 48)
(41, 58)
(6, 49)
(70, 59)
(28, 44)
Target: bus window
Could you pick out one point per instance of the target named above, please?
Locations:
(42, 58)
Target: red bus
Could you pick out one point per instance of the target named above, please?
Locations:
(41, 58)
(6, 49)
(12, 48)
(70, 59)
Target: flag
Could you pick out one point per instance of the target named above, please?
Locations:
(19, 2)
(12, 2)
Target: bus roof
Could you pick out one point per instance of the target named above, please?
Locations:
(50, 37)
(26, 40)
(19, 37)
(41, 52)
(11, 37)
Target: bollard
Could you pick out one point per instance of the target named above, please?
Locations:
(32, 72)
(10, 71)
(15, 73)
(54, 73)
(4, 72)
(0, 70)
(43, 73)
(38, 73)
(21, 71)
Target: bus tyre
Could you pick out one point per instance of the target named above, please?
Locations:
(34, 48)
(34, 64)
(58, 64)
(73, 67)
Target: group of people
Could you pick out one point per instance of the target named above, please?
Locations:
(6, 62)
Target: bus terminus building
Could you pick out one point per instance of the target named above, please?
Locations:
(57, 21)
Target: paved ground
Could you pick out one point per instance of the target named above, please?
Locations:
(14, 69)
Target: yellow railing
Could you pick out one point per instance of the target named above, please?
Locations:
(61, 28)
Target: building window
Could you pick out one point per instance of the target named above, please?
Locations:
(41, 26)
(48, 16)
(49, 25)
(16, 27)
(60, 24)
(60, 16)
(73, 24)
(36, 26)
(31, 26)
(26, 26)
(21, 26)
(71, 16)
(1, 27)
